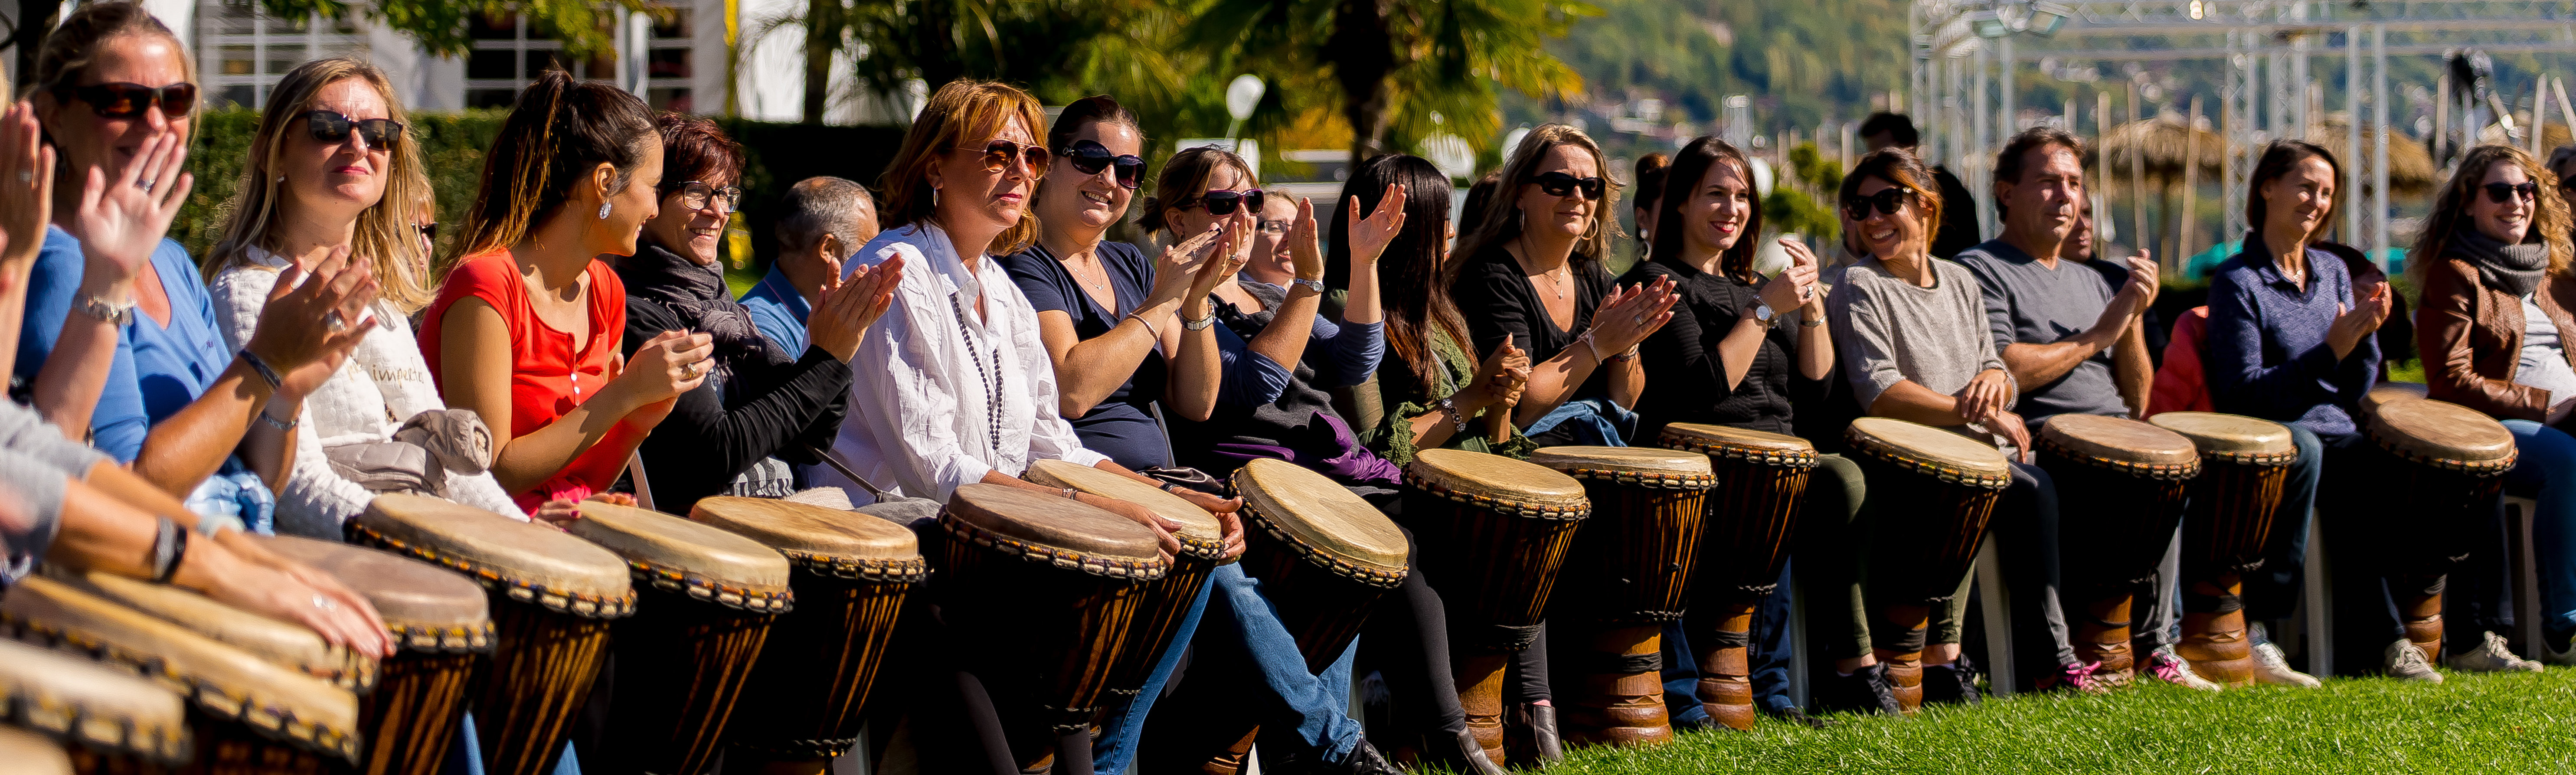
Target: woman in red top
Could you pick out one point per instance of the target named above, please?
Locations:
(527, 327)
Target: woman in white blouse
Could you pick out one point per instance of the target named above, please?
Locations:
(332, 169)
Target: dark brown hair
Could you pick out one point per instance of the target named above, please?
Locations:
(1415, 294)
(1650, 185)
(1471, 213)
(1098, 108)
(2009, 161)
(962, 112)
(1184, 177)
(2549, 217)
(696, 149)
(1681, 182)
(2277, 160)
(1902, 168)
(561, 128)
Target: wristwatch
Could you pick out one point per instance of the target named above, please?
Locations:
(1313, 285)
(1763, 314)
(114, 314)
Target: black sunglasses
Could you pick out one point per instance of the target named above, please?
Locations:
(999, 153)
(331, 127)
(428, 231)
(1090, 158)
(1223, 202)
(2499, 192)
(1886, 201)
(127, 100)
(1560, 184)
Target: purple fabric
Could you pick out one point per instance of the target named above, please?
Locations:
(1327, 434)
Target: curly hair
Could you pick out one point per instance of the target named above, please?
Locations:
(2549, 223)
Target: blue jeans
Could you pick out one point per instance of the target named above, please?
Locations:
(1769, 660)
(2547, 474)
(1122, 726)
(1241, 643)
(465, 755)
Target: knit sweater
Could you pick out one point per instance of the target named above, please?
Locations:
(384, 382)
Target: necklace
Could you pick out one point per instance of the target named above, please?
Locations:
(1552, 281)
(991, 380)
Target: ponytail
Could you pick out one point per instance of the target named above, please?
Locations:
(561, 129)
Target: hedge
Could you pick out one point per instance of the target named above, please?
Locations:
(775, 155)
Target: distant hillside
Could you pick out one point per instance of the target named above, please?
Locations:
(1802, 60)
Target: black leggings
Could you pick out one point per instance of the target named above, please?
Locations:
(1407, 642)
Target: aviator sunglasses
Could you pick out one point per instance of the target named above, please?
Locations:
(1886, 201)
(999, 153)
(127, 100)
(1222, 202)
(1090, 158)
(1561, 184)
(2499, 193)
(332, 127)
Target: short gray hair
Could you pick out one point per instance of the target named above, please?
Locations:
(820, 206)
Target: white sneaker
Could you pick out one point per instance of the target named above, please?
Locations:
(2491, 656)
(2166, 665)
(2271, 666)
(2550, 654)
(2405, 662)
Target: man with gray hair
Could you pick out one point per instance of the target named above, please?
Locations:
(821, 221)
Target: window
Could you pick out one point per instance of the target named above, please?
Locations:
(668, 63)
(509, 51)
(243, 51)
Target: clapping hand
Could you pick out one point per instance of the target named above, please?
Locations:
(1305, 242)
(2352, 322)
(1628, 315)
(1795, 287)
(1231, 250)
(1369, 236)
(848, 306)
(123, 214)
(1176, 272)
(26, 187)
(313, 320)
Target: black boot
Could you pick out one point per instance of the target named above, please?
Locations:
(1459, 752)
(1529, 731)
(1952, 683)
(1364, 760)
(1864, 691)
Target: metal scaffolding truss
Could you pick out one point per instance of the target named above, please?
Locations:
(1959, 46)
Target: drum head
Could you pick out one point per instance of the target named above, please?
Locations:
(226, 682)
(1929, 450)
(2232, 438)
(428, 608)
(29, 753)
(2391, 392)
(530, 563)
(1721, 441)
(2444, 435)
(677, 555)
(1051, 529)
(844, 544)
(1200, 534)
(288, 644)
(83, 701)
(1633, 466)
(1498, 483)
(1326, 523)
(2121, 443)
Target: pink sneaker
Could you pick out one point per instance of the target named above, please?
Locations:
(2169, 667)
(2082, 678)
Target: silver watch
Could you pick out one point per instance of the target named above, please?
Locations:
(1313, 285)
(1763, 314)
(114, 314)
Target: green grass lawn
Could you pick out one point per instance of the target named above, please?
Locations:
(2472, 724)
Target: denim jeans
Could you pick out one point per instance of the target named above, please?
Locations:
(2547, 474)
(1768, 660)
(1122, 726)
(2272, 591)
(1241, 643)
(465, 755)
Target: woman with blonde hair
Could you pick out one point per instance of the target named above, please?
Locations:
(334, 171)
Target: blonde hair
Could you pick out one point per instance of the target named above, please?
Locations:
(1500, 224)
(384, 237)
(963, 111)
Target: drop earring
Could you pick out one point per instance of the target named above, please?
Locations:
(603, 211)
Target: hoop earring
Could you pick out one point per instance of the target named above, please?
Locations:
(603, 211)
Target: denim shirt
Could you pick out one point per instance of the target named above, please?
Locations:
(2268, 355)
(778, 311)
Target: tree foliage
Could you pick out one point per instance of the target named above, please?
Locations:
(444, 27)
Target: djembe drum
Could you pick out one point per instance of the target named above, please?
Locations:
(1752, 515)
(1932, 491)
(1494, 532)
(2443, 466)
(2127, 482)
(29, 753)
(2244, 462)
(440, 625)
(250, 715)
(1045, 589)
(107, 720)
(851, 573)
(290, 645)
(1628, 572)
(706, 599)
(1167, 599)
(551, 597)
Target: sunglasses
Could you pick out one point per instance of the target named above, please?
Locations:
(428, 231)
(1561, 184)
(1223, 202)
(694, 195)
(999, 153)
(2499, 193)
(331, 127)
(1090, 158)
(1886, 202)
(127, 100)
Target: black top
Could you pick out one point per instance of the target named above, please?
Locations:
(1499, 301)
(757, 401)
(1958, 216)
(1683, 359)
(1121, 425)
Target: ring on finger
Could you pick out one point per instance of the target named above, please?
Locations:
(331, 322)
(321, 601)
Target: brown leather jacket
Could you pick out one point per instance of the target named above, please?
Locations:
(2471, 339)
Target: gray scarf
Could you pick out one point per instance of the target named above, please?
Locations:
(2513, 269)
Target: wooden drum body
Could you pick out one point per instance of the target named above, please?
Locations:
(708, 597)
(851, 574)
(1628, 572)
(2121, 486)
(2444, 465)
(1045, 590)
(103, 718)
(1494, 532)
(1752, 517)
(1166, 600)
(251, 714)
(1933, 492)
(441, 625)
(2244, 462)
(551, 597)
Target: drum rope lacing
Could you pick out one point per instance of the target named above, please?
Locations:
(2165, 471)
(29, 707)
(2477, 468)
(1310, 553)
(1660, 480)
(904, 571)
(670, 578)
(561, 601)
(219, 701)
(1803, 458)
(1499, 505)
(2245, 458)
(443, 639)
(1904, 459)
(1138, 570)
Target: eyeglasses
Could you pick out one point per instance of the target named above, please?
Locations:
(695, 195)
(1886, 201)
(1561, 184)
(1275, 228)
(2500, 192)
(331, 127)
(1222, 202)
(428, 231)
(127, 100)
(1090, 158)
(999, 153)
